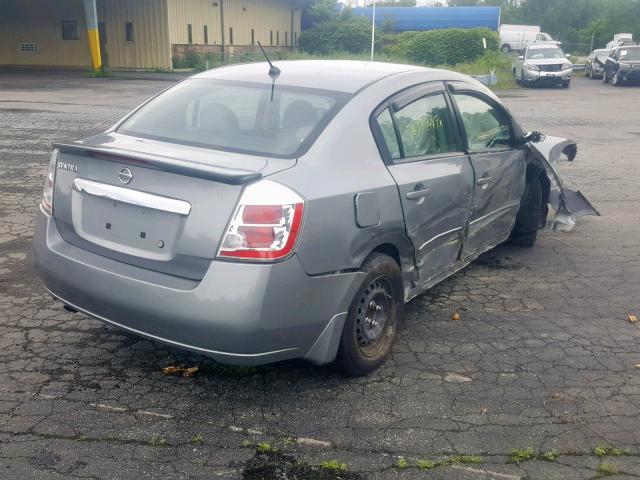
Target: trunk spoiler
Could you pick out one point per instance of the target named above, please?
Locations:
(233, 176)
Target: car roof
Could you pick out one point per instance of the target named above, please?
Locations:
(347, 76)
(540, 47)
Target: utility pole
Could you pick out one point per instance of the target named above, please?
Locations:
(373, 30)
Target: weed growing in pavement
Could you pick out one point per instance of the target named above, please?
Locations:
(334, 466)
(266, 448)
(518, 455)
(426, 464)
(608, 450)
(458, 459)
(401, 463)
(198, 439)
(606, 469)
(158, 441)
(550, 456)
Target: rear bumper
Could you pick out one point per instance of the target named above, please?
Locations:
(239, 313)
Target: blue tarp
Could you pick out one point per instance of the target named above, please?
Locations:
(429, 18)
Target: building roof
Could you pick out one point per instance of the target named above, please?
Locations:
(337, 75)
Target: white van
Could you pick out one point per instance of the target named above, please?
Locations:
(518, 37)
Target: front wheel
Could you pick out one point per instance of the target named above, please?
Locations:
(373, 317)
(566, 84)
(506, 48)
(616, 81)
(532, 215)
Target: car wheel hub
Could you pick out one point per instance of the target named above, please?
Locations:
(372, 317)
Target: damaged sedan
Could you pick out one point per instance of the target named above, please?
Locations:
(259, 213)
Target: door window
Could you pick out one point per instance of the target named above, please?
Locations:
(385, 122)
(425, 127)
(487, 128)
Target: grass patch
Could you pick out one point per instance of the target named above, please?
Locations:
(401, 463)
(606, 469)
(158, 441)
(550, 456)
(266, 448)
(198, 439)
(427, 464)
(609, 451)
(518, 455)
(462, 459)
(334, 466)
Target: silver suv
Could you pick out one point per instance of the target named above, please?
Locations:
(255, 218)
(543, 65)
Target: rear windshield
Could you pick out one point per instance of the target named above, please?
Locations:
(237, 117)
(537, 53)
(630, 54)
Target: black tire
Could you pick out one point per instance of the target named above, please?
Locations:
(373, 318)
(566, 84)
(532, 214)
(506, 48)
(523, 82)
(616, 81)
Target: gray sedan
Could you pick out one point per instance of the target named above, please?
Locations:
(258, 215)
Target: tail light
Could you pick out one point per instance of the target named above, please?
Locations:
(265, 225)
(47, 194)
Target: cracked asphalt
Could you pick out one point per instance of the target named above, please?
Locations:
(542, 358)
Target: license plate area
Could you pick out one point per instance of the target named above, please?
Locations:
(126, 228)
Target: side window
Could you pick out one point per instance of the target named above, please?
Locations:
(487, 128)
(425, 127)
(385, 123)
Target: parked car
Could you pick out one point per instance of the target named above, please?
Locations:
(518, 37)
(594, 66)
(256, 218)
(620, 40)
(622, 65)
(543, 64)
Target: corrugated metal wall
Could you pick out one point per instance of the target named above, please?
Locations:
(243, 16)
(39, 21)
(429, 18)
(150, 47)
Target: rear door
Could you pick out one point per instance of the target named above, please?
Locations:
(499, 167)
(420, 142)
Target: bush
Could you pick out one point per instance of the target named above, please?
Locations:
(449, 46)
(343, 34)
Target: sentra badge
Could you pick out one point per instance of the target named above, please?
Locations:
(68, 167)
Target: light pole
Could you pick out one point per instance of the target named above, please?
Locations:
(373, 30)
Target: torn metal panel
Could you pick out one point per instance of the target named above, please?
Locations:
(565, 204)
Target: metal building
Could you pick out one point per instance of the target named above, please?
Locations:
(140, 34)
(405, 19)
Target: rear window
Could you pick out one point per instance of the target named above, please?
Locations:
(237, 117)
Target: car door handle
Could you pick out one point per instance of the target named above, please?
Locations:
(417, 194)
(484, 181)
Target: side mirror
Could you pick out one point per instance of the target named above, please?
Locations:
(567, 55)
(520, 57)
(533, 137)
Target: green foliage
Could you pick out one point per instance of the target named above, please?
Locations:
(449, 46)
(426, 464)
(518, 455)
(334, 466)
(401, 463)
(341, 34)
(607, 450)
(198, 439)
(266, 448)
(550, 456)
(605, 469)
(462, 459)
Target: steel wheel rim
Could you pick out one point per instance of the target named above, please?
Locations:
(375, 312)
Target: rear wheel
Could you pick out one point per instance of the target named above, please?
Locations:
(373, 317)
(506, 48)
(532, 215)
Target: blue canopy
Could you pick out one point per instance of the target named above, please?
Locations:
(430, 18)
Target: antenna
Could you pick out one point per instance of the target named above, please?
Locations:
(274, 72)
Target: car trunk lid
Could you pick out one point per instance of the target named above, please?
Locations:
(153, 204)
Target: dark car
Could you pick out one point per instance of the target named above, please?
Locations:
(622, 65)
(594, 66)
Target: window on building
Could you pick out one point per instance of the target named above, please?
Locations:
(253, 37)
(69, 30)
(189, 33)
(278, 37)
(286, 38)
(206, 34)
(230, 36)
(295, 39)
(271, 37)
(128, 32)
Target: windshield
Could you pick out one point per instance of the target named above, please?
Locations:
(539, 53)
(237, 117)
(601, 53)
(630, 54)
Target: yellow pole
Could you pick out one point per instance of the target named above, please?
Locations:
(94, 45)
(91, 17)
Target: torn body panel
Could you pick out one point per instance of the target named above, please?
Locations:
(566, 205)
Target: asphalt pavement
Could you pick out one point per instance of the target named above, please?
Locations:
(539, 379)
